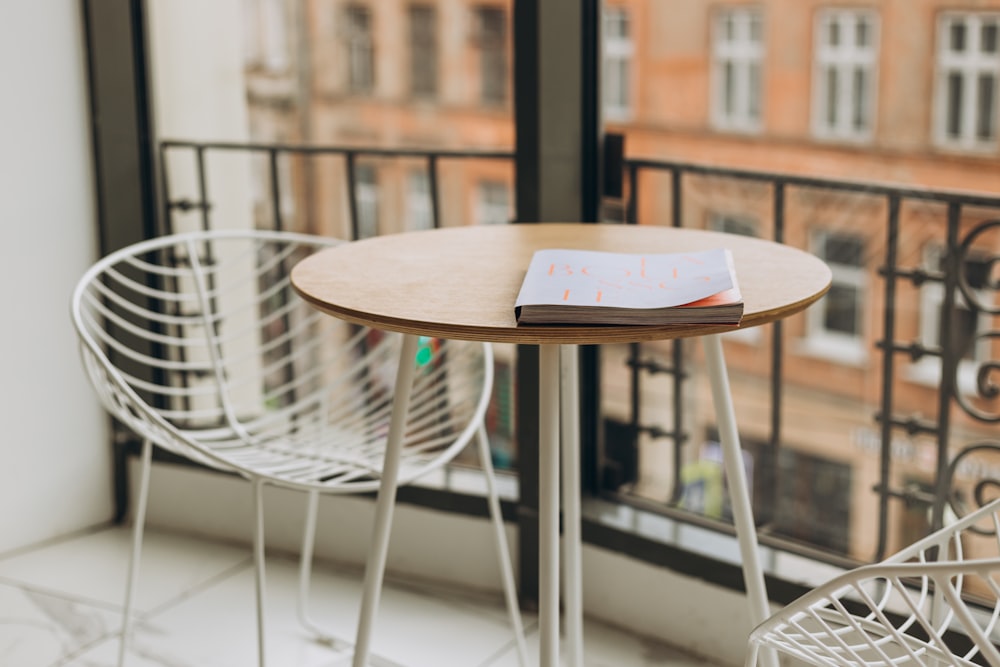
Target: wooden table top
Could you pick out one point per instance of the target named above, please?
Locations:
(461, 282)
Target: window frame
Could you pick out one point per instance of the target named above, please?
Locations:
(493, 53)
(424, 65)
(359, 47)
(617, 49)
(419, 209)
(488, 209)
(818, 340)
(968, 67)
(846, 59)
(742, 55)
(927, 370)
(366, 197)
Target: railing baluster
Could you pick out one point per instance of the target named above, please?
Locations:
(275, 190)
(949, 363)
(202, 187)
(352, 193)
(432, 185)
(888, 370)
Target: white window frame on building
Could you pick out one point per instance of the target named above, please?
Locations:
(737, 69)
(265, 40)
(423, 33)
(359, 43)
(927, 370)
(366, 193)
(966, 98)
(490, 36)
(618, 53)
(492, 203)
(419, 211)
(821, 340)
(845, 70)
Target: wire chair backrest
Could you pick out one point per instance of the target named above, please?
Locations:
(198, 342)
(906, 610)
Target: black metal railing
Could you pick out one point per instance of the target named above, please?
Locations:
(961, 220)
(200, 198)
(958, 222)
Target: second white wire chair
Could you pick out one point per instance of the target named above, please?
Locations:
(199, 345)
(911, 609)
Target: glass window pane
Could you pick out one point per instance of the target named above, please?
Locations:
(862, 32)
(728, 88)
(831, 97)
(755, 28)
(753, 104)
(957, 36)
(833, 33)
(844, 249)
(954, 101)
(860, 119)
(841, 309)
(986, 108)
(988, 42)
(423, 51)
(729, 27)
(962, 325)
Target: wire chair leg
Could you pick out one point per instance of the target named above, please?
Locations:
(138, 525)
(258, 563)
(503, 551)
(305, 577)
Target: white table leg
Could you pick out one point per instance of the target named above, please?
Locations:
(375, 567)
(732, 456)
(548, 504)
(572, 538)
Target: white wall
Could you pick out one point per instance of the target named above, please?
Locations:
(54, 454)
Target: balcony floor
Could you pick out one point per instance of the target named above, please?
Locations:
(60, 605)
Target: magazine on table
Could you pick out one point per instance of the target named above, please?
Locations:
(596, 287)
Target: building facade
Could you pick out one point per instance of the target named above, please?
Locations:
(887, 92)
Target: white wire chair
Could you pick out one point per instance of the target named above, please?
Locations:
(198, 344)
(930, 604)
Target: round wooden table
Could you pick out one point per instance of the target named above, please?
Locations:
(462, 282)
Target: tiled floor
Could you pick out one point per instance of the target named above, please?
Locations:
(60, 604)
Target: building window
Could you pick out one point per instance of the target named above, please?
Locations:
(844, 74)
(491, 38)
(360, 47)
(963, 322)
(419, 211)
(968, 69)
(835, 325)
(265, 43)
(492, 203)
(813, 500)
(366, 192)
(738, 52)
(423, 51)
(739, 224)
(618, 52)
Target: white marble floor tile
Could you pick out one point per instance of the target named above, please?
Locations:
(59, 607)
(37, 628)
(216, 628)
(93, 566)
